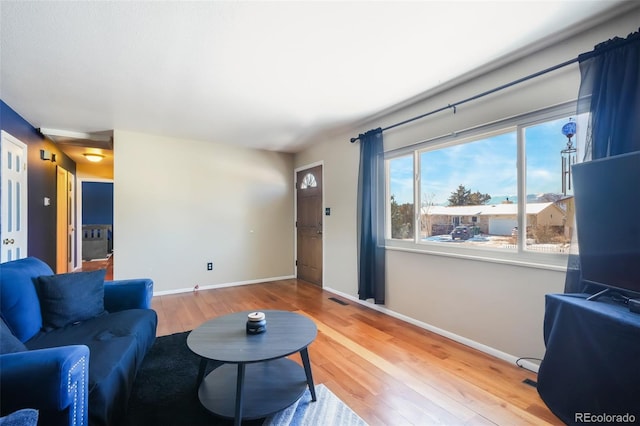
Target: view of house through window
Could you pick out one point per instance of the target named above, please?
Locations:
(468, 190)
(549, 190)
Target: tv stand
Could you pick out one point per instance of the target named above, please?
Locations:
(591, 361)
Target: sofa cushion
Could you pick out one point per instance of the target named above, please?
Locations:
(118, 342)
(70, 298)
(24, 417)
(19, 302)
(8, 342)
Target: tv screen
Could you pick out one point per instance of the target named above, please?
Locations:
(607, 203)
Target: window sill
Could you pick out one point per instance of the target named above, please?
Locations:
(553, 262)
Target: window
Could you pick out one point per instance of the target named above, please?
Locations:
(401, 208)
(476, 179)
(500, 189)
(308, 181)
(549, 217)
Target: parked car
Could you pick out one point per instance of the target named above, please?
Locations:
(461, 232)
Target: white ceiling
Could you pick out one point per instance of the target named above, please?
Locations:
(264, 74)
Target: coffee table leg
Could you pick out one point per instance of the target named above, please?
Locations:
(239, 387)
(307, 370)
(201, 370)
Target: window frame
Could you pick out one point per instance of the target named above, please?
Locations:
(517, 124)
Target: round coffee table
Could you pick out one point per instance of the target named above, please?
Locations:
(254, 365)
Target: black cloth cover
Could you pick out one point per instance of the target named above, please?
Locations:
(592, 363)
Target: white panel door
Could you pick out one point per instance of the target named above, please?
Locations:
(13, 200)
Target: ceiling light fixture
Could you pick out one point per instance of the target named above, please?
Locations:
(94, 158)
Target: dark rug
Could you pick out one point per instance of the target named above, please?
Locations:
(165, 391)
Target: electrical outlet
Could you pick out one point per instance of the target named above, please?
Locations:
(210, 266)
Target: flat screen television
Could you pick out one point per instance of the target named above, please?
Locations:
(607, 204)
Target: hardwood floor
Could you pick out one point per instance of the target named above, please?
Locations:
(92, 265)
(388, 371)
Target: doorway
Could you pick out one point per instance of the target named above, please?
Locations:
(309, 224)
(65, 221)
(95, 214)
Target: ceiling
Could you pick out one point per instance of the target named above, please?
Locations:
(263, 74)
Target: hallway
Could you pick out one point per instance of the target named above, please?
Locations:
(92, 265)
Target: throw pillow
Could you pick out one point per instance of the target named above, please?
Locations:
(70, 298)
(9, 343)
(19, 302)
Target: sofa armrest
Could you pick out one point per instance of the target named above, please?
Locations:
(52, 379)
(128, 294)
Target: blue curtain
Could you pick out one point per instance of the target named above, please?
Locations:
(610, 93)
(371, 253)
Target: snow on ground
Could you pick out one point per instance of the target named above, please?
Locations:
(498, 241)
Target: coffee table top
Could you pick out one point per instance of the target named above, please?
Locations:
(225, 338)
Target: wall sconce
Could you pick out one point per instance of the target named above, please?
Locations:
(47, 156)
(94, 158)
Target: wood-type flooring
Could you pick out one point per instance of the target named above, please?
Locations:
(388, 371)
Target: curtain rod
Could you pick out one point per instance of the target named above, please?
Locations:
(480, 95)
(603, 47)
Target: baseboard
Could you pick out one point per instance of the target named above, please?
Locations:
(223, 285)
(455, 337)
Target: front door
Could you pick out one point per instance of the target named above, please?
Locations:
(13, 220)
(309, 224)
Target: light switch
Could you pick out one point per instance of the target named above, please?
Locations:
(47, 201)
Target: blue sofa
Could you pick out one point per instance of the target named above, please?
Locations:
(71, 343)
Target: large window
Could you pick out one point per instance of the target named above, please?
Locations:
(401, 205)
(503, 188)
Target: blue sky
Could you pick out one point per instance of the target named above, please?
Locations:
(487, 165)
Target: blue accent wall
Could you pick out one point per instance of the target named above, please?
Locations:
(97, 203)
(41, 183)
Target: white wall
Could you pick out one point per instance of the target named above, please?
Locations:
(179, 204)
(500, 306)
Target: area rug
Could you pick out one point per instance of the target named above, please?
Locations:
(165, 394)
(328, 409)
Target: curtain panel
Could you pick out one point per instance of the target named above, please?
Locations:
(610, 92)
(610, 95)
(371, 190)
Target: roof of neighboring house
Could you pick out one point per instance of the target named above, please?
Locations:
(484, 210)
